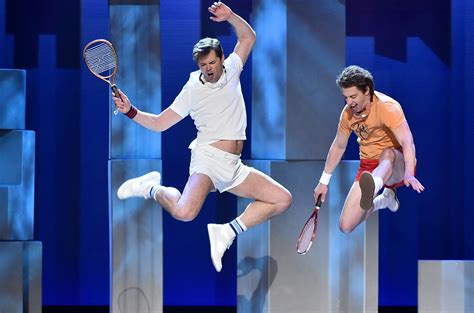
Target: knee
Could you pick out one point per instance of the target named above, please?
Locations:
(346, 226)
(186, 214)
(387, 154)
(285, 201)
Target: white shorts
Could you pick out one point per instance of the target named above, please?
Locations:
(226, 170)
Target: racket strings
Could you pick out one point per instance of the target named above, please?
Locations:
(101, 58)
(306, 235)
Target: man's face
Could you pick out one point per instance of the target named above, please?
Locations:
(211, 66)
(356, 99)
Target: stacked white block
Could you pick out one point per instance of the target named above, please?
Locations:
(20, 258)
(340, 272)
(445, 286)
(17, 176)
(20, 276)
(136, 242)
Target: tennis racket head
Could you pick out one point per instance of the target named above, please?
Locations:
(308, 233)
(101, 59)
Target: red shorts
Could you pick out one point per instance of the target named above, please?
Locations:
(368, 165)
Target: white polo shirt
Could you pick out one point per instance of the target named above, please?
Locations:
(218, 109)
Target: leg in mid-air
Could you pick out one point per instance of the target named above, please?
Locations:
(360, 201)
(389, 172)
(183, 207)
(271, 199)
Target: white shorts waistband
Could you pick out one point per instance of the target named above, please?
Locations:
(218, 152)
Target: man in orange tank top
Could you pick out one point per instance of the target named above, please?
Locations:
(387, 150)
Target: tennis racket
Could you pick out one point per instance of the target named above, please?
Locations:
(102, 60)
(305, 240)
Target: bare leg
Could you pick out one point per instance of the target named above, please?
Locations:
(271, 198)
(352, 214)
(391, 167)
(390, 170)
(185, 207)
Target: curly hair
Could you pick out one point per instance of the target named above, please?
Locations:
(356, 76)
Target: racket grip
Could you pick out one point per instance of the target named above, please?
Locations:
(319, 202)
(115, 90)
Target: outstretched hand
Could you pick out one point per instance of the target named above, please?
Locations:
(411, 181)
(221, 12)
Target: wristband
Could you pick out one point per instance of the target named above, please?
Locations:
(325, 178)
(132, 112)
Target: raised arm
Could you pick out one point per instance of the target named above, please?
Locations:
(245, 34)
(335, 153)
(158, 123)
(405, 138)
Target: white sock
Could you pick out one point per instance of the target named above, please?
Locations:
(229, 232)
(378, 184)
(154, 190)
(244, 228)
(237, 226)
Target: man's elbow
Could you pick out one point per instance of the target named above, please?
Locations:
(249, 39)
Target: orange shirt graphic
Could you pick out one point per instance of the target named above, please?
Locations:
(374, 131)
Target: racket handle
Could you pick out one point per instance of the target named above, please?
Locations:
(115, 90)
(319, 202)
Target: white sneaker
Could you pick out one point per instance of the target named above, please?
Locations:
(220, 241)
(391, 195)
(388, 199)
(139, 187)
(367, 188)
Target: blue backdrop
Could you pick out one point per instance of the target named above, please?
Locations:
(419, 52)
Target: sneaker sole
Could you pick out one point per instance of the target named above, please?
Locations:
(367, 188)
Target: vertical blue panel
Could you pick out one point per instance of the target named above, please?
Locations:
(300, 45)
(54, 112)
(17, 176)
(135, 32)
(12, 99)
(93, 243)
(315, 51)
(462, 105)
(269, 78)
(6, 53)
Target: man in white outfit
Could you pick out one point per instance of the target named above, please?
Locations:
(213, 98)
